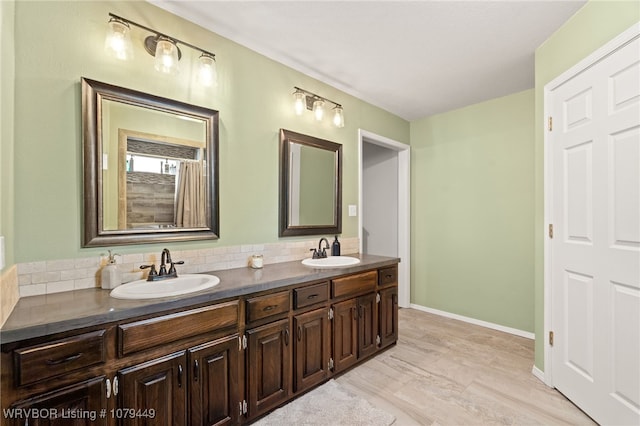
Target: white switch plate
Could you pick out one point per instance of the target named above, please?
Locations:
(1, 252)
(353, 210)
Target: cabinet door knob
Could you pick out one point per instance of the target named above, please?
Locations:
(179, 375)
(299, 333)
(196, 370)
(286, 336)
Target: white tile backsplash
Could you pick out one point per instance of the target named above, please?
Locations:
(48, 277)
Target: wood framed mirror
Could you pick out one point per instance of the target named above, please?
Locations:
(310, 185)
(150, 168)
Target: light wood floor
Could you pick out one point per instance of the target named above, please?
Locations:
(447, 372)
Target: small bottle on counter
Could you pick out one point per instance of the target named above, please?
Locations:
(335, 247)
(110, 276)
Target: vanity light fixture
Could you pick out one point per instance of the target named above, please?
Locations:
(304, 99)
(163, 47)
(118, 40)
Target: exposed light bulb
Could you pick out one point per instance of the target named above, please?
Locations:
(207, 72)
(166, 56)
(318, 109)
(338, 116)
(299, 102)
(118, 40)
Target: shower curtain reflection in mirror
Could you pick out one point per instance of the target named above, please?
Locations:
(190, 196)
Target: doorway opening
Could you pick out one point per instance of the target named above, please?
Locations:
(384, 188)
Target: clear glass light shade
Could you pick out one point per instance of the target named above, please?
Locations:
(338, 116)
(318, 109)
(299, 102)
(118, 40)
(166, 56)
(207, 72)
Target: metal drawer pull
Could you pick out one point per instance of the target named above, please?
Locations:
(196, 370)
(63, 360)
(269, 308)
(179, 375)
(312, 296)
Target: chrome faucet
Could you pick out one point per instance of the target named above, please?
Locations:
(321, 253)
(165, 259)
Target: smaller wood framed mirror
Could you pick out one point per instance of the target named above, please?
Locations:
(310, 185)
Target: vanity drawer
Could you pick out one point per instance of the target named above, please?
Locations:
(310, 295)
(267, 306)
(59, 357)
(388, 276)
(354, 284)
(145, 334)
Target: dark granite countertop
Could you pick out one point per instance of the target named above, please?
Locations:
(38, 316)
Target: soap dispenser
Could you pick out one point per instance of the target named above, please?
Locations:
(110, 276)
(335, 247)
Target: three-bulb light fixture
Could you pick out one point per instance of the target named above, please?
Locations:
(163, 47)
(303, 99)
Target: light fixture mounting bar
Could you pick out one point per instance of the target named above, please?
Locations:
(160, 34)
(313, 97)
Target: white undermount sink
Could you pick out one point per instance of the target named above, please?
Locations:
(331, 262)
(183, 284)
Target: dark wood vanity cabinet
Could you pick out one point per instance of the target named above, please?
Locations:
(345, 334)
(215, 387)
(388, 316)
(223, 363)
(311, 348)
(367, 325)
(268, 366)
(158, 388)
(57, 407)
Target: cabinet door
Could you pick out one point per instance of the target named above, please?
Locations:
(367, 325)
(159, 384)
(269, 366)
(311, 348)
(388, 316)
(214, 383)
(345, 334)
(77, 405)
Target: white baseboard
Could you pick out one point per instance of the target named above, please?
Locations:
(481, 323)
(539, 374)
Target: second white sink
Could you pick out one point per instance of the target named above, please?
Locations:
(331, 262)
(184, 284)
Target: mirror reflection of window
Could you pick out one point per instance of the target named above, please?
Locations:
(141, 163)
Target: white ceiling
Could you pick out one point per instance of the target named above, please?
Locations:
(411, 58)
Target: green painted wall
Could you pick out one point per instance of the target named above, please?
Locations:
(7, 73)
(64, 41)
(590, 28)
(472, 211)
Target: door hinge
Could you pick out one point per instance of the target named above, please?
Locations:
(378, 341)
(242, 342)
(551, 230)
(330, 364)
(377, 297)
(550, 126)
(330, 314)
(551, 338)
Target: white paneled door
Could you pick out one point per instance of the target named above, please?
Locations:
(594, 169)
